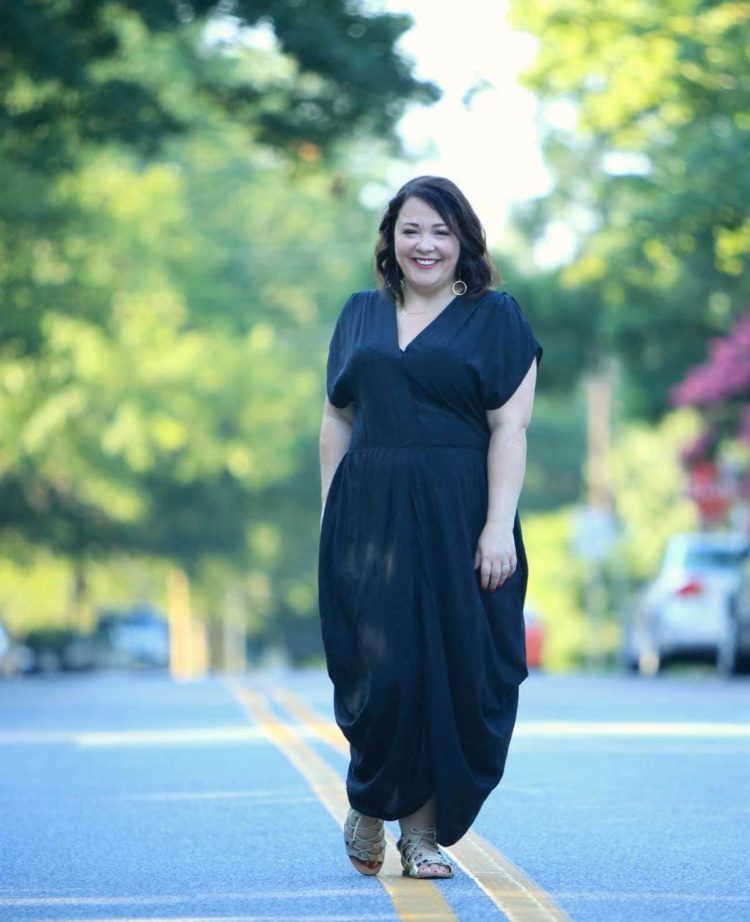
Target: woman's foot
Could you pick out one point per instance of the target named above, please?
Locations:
(364, 840)
(421, 856)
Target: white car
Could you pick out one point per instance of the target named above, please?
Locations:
(5, 651)
(685, 612)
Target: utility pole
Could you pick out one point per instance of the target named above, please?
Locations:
(188, 650)
(599, 387)
(595, 527)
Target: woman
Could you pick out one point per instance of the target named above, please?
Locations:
(422, 570)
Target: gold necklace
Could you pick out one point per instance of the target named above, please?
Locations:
(407, 313)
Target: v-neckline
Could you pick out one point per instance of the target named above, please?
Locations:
(424, 329)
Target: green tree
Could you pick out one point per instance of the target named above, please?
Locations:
(651, 172)
(173, 269)
(290, 72)
(78, 76)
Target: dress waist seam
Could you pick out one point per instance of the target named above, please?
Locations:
(359, 448)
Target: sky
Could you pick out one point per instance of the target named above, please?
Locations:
(482, 134)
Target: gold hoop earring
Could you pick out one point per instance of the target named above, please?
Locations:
(460, 288)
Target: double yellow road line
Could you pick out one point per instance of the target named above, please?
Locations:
(512, 892)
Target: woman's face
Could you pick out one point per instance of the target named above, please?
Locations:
(427, 250)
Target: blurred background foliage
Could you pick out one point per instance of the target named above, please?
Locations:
(645, 113)
(181, 217)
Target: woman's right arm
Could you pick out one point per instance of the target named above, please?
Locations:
(335, 436)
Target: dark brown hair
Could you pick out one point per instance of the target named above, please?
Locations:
(474, 264)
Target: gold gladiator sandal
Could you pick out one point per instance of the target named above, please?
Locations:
(364, 842)
(420, 853)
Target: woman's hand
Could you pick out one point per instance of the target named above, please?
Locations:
(495, 556)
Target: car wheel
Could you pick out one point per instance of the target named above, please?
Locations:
(729, 660)
(631, 665)
(727, 652)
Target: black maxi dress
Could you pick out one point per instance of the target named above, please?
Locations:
(425, 664)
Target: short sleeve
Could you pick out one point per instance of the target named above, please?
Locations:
(513, 348)
(337, 385)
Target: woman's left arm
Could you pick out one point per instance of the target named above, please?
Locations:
(495, 556)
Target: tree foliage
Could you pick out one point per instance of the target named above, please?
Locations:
(720, 387)
(176, 229)
(77, 77)
(290, 71)
(648, 136)
(725, 376)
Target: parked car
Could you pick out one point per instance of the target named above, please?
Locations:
(53, 650)
(685, 613)
(6, 651)
(14, 656)
(734, 651)
(132, 637)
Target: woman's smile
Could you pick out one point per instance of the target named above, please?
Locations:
(426, 249)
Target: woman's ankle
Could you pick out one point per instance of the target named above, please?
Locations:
(423, 818)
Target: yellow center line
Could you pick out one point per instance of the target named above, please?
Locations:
(512, 891)
(414, 901)
(515, 894)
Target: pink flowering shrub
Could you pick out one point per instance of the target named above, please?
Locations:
(725, 376)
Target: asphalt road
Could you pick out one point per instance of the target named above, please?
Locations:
(135, 797)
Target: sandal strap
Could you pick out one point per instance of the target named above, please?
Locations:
(364, 848)
(419, 847)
